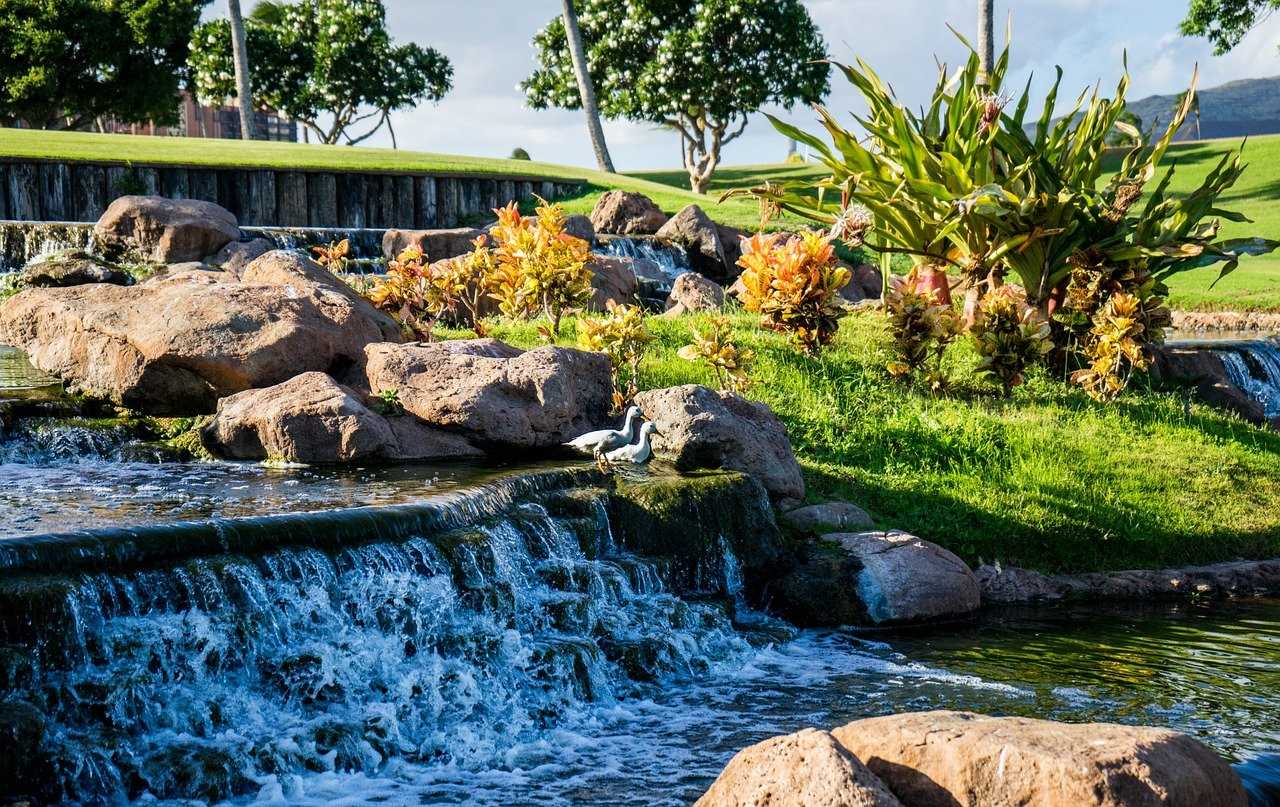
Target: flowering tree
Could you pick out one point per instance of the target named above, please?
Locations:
(697, 68)
(328, 64)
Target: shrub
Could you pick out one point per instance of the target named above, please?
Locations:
(333, 256)
(1115, 348)
(794, 285)
(1009, 336)
(519, 154)
(717, 351)
(538, 267)
(922, 327)
(622, 336)
(417, 294)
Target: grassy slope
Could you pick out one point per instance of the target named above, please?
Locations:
(1046, 478)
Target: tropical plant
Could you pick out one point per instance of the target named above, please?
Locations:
(622, 336)
(699, 69)
(923, 326)
(794, 284)
(538, 267)
(328, 64)
(412, 295)
(73, 63)
(1115, 349)
(1194, 100)
(1126, 136)
(334, 255)
(1009, 336)
(715, 349)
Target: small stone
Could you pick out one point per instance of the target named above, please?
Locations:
(693, 292)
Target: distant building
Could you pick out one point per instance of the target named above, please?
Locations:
(198, 120)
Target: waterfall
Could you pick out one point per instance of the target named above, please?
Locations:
(366, 243)
(1254, 366)
(23, 241)
(208, 661)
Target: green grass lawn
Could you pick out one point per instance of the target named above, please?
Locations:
(1045, 478)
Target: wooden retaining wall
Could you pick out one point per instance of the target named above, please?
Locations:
(80, 191)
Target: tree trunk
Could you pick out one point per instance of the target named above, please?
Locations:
(585, 88)
(986, 41)
(240, 54)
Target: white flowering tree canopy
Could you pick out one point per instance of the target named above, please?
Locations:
(700, 68)
(328, 64)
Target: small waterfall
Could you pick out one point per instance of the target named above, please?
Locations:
(23, 241)
(366, 244)
(1254, 366)
(222, 659)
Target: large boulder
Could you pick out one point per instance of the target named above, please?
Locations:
(693, 292)
(312, 418)
(903, 578)
(580, 226)
(971, 760)
(178, 342)
(435, 244)
(72, 267)
(805, 769)
(701, 428)
(493, 394)
(626, 213)
(692, 229)
(159, 230)
(612, 280)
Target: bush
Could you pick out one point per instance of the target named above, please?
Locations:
(716, 350)
(922, 328)
(793, 285)
(519, 154)
(1009, 335)
(622, 336)
(538, 268)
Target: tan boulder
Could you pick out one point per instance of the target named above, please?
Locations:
(693, 292)
(962, 759)
(161, 230)
(72, 267)
(701, 238)
(234, 257)
(805, 769)
(312, 418)
(701, 428)
(493, 394)
(627, 213)
(178, 342)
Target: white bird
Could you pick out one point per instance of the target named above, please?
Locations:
(598, 442)
(637, 453)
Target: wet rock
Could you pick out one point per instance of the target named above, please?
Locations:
(435, 244)
(903, 578)
(1242, 578)
(175, 344)
(612, 279)
(701, 428)
(960, 758)
(827, 517)
(626, 213)
(692, 229)
(311, 418)
(72, 267)
(159, 230)
(1205, 371)
(1009, 584)
(805, 769)
(494, 394)
(25, 767)
(693, 292)
(234, 257)
(819, 590)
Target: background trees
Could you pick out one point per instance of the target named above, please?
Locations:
(1225, 22)
(328, 64)
(70, 62)
(698, 68)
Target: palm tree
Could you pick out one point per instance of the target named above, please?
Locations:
(986, 40)
(585, 88)
(240, 54)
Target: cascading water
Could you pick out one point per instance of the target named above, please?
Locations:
(243, 673)
(23, 241)
(1254, 366)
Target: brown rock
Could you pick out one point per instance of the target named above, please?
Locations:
(805, 769)
(905, 579)
(693, 292)
(1206, 371)
(235, 256)
(964, 759)
(612, 279)
(311, 418)
(626, 213)
(701, 428)
(494, 394)
(692, 229)
(435, 244)
(579, 226)
(177, 343)
(866, 284)
(160, 230)
(73, 267)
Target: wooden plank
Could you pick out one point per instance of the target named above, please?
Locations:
(425, 205)
(55, 191)
(447, 202)
(291, 199)
(322, 200)
(260, 199)
(88, 192)
(404, 203)
(24, 194)
(351, 212)
(175, 183)
(203, 184)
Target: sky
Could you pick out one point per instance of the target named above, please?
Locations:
(488, 42)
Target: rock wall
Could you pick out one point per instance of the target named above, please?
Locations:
(75, 191)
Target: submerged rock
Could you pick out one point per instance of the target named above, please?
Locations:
(177, 343)
(1242, 578)
(72, 267)
(312, 418)
(701, 428)
(626, 213)
(805, 769)
(160, 230)
(965, 759)
(494, 394)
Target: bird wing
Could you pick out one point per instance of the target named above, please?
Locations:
(590, 439)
